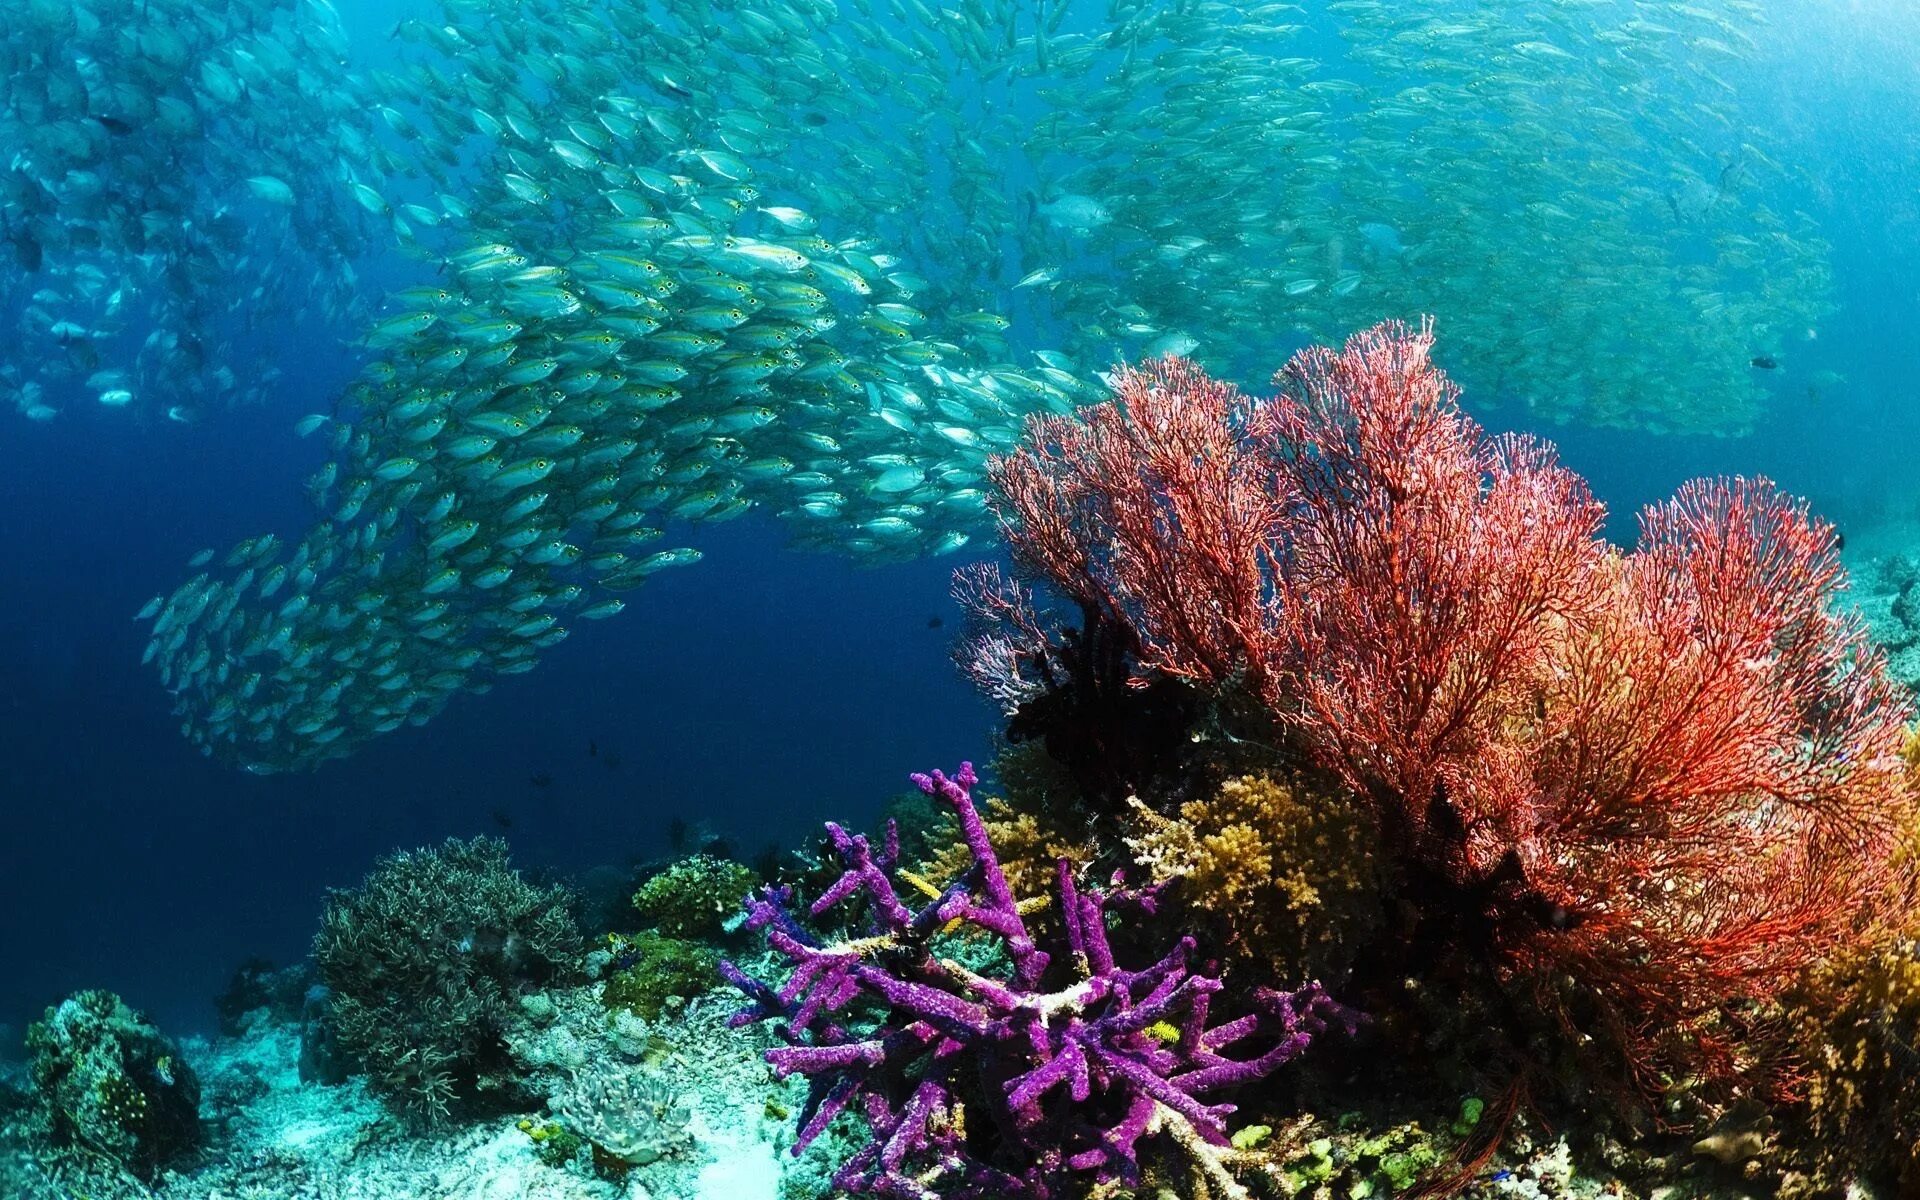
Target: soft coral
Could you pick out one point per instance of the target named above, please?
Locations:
(1647, 787)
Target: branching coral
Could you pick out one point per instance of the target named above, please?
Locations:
(1859, 1018)
(1645, 788)
(1286, 869)
(1029, 846)
(1863, 1026)
(973, 1086)
(422, 962)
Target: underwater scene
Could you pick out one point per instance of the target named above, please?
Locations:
(959, 599)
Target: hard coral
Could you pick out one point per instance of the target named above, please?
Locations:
(1644, 788)
(1035, 818)
(423, 962)
(1028, 844)
(258, 990)
(106, 1080)
(630, 1116)
(1044, 1084)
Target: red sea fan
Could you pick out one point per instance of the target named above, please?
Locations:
(1416, 563)
(1708, 795)
(1153, 512)
(1649, 787)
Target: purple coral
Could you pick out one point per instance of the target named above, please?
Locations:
(1069, 1080)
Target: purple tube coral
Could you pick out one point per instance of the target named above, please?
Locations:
(1024, 1087)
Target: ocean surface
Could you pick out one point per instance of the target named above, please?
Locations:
(767, 687)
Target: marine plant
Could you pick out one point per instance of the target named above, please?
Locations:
(424, 962)
(1069, 1072)
(1643, 787)
(694, 897)
(107, 1081)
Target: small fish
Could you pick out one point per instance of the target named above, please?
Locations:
(271, 189)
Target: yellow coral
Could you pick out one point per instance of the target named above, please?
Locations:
(1035, 826)
(1286, 867)
(1027, 845)
(1861, 1024)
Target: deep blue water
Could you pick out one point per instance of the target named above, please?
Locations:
(753, 694)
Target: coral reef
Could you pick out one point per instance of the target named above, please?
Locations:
(423, 963)
(260, 990)
(631, 1118)
(694, 898)
(1028, 844)
(680, 1106)
(556, 1145)
(1363, 1163)
(1889, 598)
(1644, 788)
(1286, 869)
(271, 1134)
(980, 1086)
(1034, 820)
(108, 1083)
(1860, 1018)
(653, 970)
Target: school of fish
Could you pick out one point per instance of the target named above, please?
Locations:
(678, 260)
(171, 199)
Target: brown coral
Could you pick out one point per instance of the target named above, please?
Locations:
(1287, 867)
(1861, 1022)
(1859, 1015)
